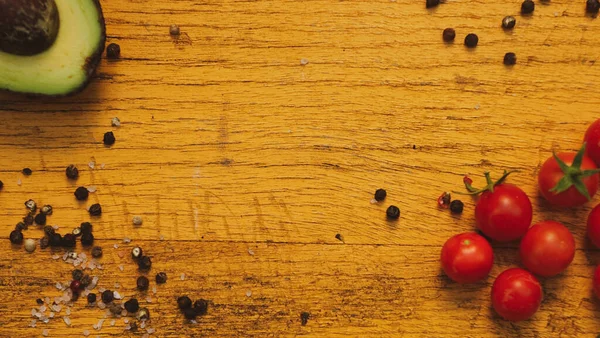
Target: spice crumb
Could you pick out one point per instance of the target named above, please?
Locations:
(304, 316)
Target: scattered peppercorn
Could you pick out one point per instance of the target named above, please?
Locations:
(109, 138)
(40, 219)
(174, 30)
(107, 296)
(86, 227)
(133, 327)
(31, 205)
(91, 298)
(76, 232)
(49, 230)
(304, 316)
(44, 242)
(142, 283)
(592, 6)
(509, 22)
(115, 309)
(527, 7)
(113, 51)
(189, 314)
(72, 172)
(75, 286)
(81, 193)
(456, 207)
(143, 314)
(380, 195)
(27, 171)
(136, 253)
(21, 226)
(161, 278)
(85, 280)
(28, 220)
(392, 212)
(96, 252)
(184, 302)
(16, 237)
(339, 237)
(55, 240)
(1, 185)
(39, 301)
(30, 245)
(145, 263)
(200, 307)
(132, 305)
(46, 209)
(510, 59)
(87, 239)
(471, 40)
(431, 3)
(77, 274)
(69, 241)
(95, 209)
(449, 34)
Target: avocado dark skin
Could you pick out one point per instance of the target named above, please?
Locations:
(28, 28)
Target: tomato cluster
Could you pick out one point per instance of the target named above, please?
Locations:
(503, 213)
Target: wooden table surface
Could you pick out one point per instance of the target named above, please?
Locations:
(245, 164)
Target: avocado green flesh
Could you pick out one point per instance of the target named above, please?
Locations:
(63, 68)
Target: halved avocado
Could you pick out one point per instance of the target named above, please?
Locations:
(49, 47)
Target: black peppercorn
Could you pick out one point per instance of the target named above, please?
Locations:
(509, 22)
(21, 226)
(40, 219)
(142, 283)
(471, 40)
(55, 240)
(304, 316)
(144, 263)
(16, 237)
(510, 59)
(1, 185)
(392, 212)
(527, 7)
(81, 193)
(161, 278)
(95, 210)
(115, 309)
(380, 195)
(592, 6)
(189, 314)
(77, 274)
(456, 207)
(132, 305)
(200, 307)
(431, 3)
(44, 242)
(86, 228)
(184, 302)
(31, 206)
(46, 209)
(69, 241)
(107, 296)
(72, 172)
(91, 298)
(96, 252)
(449, 34)
(109, 138)
(136, 253)
(87, 239)
(28, 220)
(27, 171)
(113, 51)
(49, 230)
(85, 280)
(39, 301)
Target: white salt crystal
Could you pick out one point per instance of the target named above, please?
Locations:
(101, 290)
(46, 320)
(19, 183)
(91, 188)
(116, 246)
(47, 300)
(55, 227)
(100, 322)
(68, 311)
(117, 285)
(125, 320)
(51, 315)
(101, 305)
(162, 238)
(67, 321)
(102, 166)
(143, 324)
(112, 322)
(59, 286)
(303, 61)
(32, 324)
(154, 289)
(127, 327)
(251, 252)
(115, 122)
(39, 315)
(56, 308)
(92, 164)
(55, 256)
(86, 332)
(45, 333)
(249, 293)
(93, 283)
(83, 255)
(117, 295)
(182, 277)
(126, 240)
(148, 299)
(33, 312)
(150, 330)
(43, 308)
(121, 267)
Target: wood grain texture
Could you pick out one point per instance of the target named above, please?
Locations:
(229, 144)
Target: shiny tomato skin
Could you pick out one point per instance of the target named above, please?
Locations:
(596, 282)
(547, 248)
(592, 140)
(467, 258)
(505, 214)
(593, 226)
(516, 295)
(550, 173)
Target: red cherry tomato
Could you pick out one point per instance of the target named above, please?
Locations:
(516, 295)
(596, 282)
(550, 174)
(504, 214)
(592, 140)
(467, 258)
(547, 248)
(593, 226)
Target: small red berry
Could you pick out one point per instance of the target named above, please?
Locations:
(467, 180)
(444, 200)
(75, 285)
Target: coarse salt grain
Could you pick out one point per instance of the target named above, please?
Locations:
(51, 315)
(101, 290)
(303, 61)
(55, 257)
(92, 164)
(251, 252)
(126, 320)
(101, 305)
(117, 295)
(182, 277)
(68, 311)
(86, 332)
(162, 238)
(121, 267)
(154, 289)
(43, 308)
(249, 293)
(102, 166)
(67, 321)
(99, 325)
(127, 327)
(33, 312)
(148, 299)
(19, 183)
(143, 324)
(117, 285)
(116, 246)
(59, 286)
(112, 322)
(115, 122)
(33, 323)
(92, 188)
(45, 333)
(126, 240)
(150, 330)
